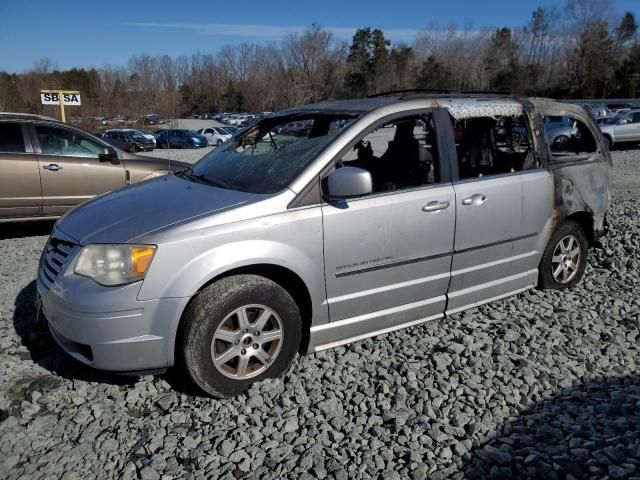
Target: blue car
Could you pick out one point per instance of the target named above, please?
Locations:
(179, 138)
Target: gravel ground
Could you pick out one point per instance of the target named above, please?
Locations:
(541, 385)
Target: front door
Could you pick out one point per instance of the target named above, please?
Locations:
(388, 254)
(70, 168)
(20, 194)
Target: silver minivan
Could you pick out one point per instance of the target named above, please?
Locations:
(323, 225)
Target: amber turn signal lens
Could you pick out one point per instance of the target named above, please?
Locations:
(141, 259)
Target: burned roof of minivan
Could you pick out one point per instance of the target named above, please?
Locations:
(460, 106)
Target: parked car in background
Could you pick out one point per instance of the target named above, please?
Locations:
(559, 130)
(626, 129)
(148, 134)
(231, 129)
(607, 120)
(274, 245)
(298, 128)
(619, 111)
(237, 120)
(129, 140)
(180, 138)
(215, 135)
(598, 111)
(48, 167)
(118, 141)
(153, 119)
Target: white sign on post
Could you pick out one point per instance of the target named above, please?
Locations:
(53, 98)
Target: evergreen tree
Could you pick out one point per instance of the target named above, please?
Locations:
(500, 61)
(433, 74)
(367, 61)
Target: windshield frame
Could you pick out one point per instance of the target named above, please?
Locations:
(266, 126)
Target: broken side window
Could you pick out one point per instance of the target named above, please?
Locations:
(493, 145)
(568, 136)
(399, 154)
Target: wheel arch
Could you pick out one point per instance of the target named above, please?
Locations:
(286, 278)
(585, 220)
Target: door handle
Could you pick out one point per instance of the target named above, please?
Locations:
(52, 167)
(435, 206)
(477, 199)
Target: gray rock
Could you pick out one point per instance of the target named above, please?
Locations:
(226, 448)
(148, 473)
(109, 445)
(167, 401)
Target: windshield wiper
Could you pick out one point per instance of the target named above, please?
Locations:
(204, 179)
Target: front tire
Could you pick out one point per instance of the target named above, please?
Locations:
(565, 257)
(238, 331)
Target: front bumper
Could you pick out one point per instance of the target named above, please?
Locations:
(108, 328)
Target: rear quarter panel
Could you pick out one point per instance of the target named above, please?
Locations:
(582, 183)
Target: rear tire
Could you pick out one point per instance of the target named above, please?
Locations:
(222, 324)
(218, 143)
(565, 257)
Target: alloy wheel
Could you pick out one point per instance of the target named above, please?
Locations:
(566, 259)
(247, 342)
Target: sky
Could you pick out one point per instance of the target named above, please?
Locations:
(90, 33)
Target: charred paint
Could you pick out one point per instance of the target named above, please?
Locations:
(582, 182)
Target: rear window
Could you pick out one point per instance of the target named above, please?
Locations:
(568, 136)
(11, 140)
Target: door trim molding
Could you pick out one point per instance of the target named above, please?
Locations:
(494, 244)
(433, 257)
(393, 264)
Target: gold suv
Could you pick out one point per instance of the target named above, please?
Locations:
(47, 167)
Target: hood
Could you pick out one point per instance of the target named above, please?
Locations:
(130, 212)
(152, 164)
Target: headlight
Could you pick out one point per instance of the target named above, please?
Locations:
(115, 264)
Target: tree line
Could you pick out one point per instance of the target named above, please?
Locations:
(583, 49)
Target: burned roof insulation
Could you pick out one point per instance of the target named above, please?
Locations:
(461, 110)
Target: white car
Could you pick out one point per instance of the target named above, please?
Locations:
(215, 135)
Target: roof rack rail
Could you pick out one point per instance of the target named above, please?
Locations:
(488, 92)
(411, 90)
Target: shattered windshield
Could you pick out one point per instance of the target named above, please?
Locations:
(266, 157)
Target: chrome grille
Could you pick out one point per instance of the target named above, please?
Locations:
(55, 255)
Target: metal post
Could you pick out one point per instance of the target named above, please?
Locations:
(64, 120)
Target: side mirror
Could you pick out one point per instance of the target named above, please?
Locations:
(108, 155)
(348, 182)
